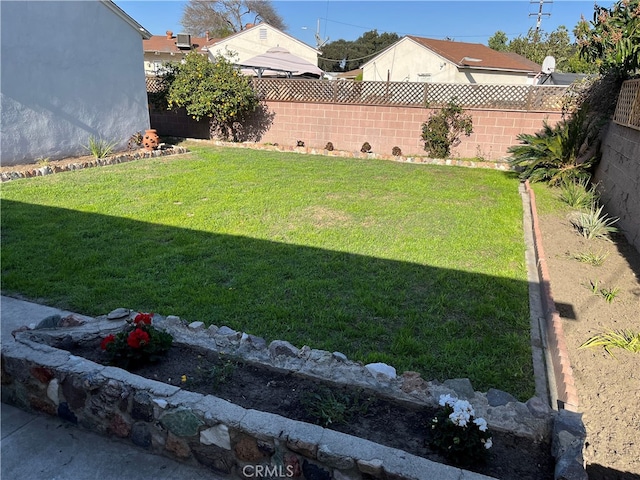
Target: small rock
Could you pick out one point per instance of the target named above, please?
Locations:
(412, 382)
(23, 328)
(462, 387)
(381, 369)
(216, 435)
(140, 435)
(71, 321)
(196, 325)
(52, 391)
(538, 407)
(118, 314)
(496, 397)
(371, 467)
(52, 321)
(341, 357)
(226, 331)
(172, 320)
(281, 347)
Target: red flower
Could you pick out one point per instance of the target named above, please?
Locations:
(106, 341)
(137, 338)
(143, 318)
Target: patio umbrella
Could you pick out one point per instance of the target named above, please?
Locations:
(279, 61)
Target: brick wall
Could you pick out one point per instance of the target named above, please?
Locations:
(349, 126)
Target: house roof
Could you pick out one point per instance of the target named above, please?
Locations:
(524, 60)
(476, 55)
(123, 15)
(167, 43)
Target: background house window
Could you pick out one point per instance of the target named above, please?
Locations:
(424, 78)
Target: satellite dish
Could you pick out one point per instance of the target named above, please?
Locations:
(549, 65)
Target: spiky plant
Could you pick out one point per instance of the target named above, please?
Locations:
(566, 152)
(594, 223)
(625, 339)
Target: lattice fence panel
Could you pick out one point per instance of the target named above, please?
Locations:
(155, 84)
(628, 106)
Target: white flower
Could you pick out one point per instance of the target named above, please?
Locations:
(460, 418)
(463, 406)
(481, 423)
(446, 400)
(487, 443)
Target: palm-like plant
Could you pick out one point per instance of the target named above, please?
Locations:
(565, 152)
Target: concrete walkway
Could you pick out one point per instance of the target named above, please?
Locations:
(46, 448)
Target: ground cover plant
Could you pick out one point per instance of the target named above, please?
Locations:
(418, 266)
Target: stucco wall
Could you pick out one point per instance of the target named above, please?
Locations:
(618, 177)
(70, 70)
(409, 62)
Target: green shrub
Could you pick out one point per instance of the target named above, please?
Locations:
(594, 223)
(566, 152)
(211, 89)
(578, 193)
(443, 129)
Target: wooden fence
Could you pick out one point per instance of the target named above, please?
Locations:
(628, 107)
(404, 94)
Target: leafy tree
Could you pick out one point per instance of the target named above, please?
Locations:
(213, 89)
(537, 45)
(612, 39)
(224, 17)
(499, 41)
(343, 55)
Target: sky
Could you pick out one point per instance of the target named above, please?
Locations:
(464, 21)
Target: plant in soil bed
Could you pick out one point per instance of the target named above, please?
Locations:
(457, 434)
(137, 344)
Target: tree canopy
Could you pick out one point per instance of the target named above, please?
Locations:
(612, 39)
(537, 45)
(343, 55)
(224, 17)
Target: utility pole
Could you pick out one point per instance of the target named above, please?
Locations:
(540, 13)
(319, 42)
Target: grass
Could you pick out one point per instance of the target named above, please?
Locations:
(624, 339)
(418, 266)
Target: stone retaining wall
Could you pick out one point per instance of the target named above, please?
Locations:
(225, 437)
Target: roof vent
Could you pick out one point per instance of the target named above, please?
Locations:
(183, 40)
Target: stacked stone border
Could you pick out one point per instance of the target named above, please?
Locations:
(39, 171)
(206, 430)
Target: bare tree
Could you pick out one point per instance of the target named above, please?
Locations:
(225, 17)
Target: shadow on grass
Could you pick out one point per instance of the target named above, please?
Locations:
(443, 323)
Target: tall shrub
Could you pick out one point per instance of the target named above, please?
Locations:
(211, 89)
(443, 129)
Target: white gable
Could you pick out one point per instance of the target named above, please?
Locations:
(258, 39)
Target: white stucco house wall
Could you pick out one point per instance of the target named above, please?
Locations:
(417, 59)
(69, 71)
(257, 39)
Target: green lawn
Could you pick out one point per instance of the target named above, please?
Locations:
(418, 266)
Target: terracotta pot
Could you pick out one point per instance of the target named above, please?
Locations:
(150, 140)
